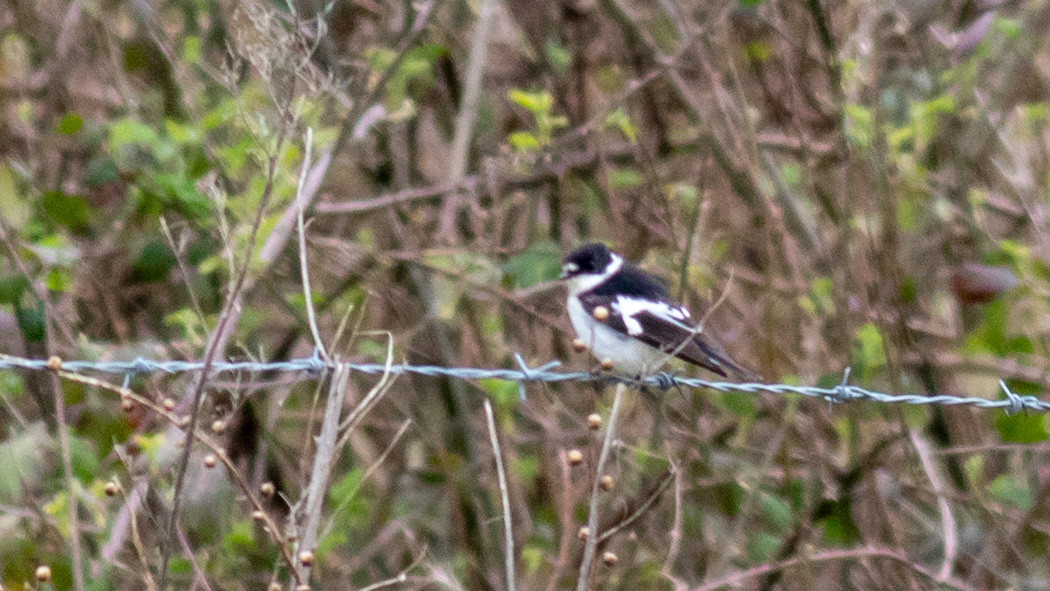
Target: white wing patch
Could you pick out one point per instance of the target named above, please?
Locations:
(628, 308)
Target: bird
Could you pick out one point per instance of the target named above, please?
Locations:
(627, 319)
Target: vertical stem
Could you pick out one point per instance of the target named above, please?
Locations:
(468, 109)
(67, 466)
(591, 544)
(508, 532)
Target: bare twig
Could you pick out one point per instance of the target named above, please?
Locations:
(508, 530)
(591, 545)
(313, 498)
(735, 579)
(71, 489)
(472, 92)
(303, 264)
(951, 538)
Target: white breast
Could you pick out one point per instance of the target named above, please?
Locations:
(628, 354)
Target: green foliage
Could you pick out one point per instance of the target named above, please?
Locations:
(540, 105)
(540, 262)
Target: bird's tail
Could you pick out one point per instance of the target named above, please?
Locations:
(719, 362)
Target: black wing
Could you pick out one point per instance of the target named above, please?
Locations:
(661, 324)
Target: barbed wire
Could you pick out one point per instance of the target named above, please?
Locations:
(841, 393)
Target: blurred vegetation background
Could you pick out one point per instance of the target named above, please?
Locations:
(861, 184)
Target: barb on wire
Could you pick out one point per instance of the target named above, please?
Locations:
(840, 393)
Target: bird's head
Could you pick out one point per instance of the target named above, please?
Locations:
(588, 265)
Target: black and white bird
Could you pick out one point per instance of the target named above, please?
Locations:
(625, 315)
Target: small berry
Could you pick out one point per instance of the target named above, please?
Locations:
(575, 457)
(578, 345)
(267, 489)
(607, 364)
(43, 573)
(218, 426)
(594, 421)
(169, 404)
(54, 363)
(600, 313)
(584, 532)
(210, 460)
(306, 558)
(112, 488)
(607, 483)
(609, 559)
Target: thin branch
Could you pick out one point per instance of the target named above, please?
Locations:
(508, 531)
(324, 457)
(736, 579)
(472, 92)
(951, 537)
(71, 489)
(311, 317)
(591, 545)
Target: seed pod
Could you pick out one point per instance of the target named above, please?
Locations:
(594, 421)
(43, 573)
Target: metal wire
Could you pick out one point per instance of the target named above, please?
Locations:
(843, 392)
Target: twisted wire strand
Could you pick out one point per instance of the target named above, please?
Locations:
(843, 392)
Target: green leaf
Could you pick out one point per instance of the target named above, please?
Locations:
(776, 510)
(191, 49)
(1009, 489)
(70, 124)
(534, 102)
(154, 263)
(761, 546)
(31, 323)
(624, 178)
(860, 125)
(1022, 428)
(618, 119)
(524, 141)
(540, 262)
(558, 56)
(67, 210)
(868, 347)
(129, 131)
(14, 208)
(503, 392)
(12, 287)
(100, 170)
(58, 280)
